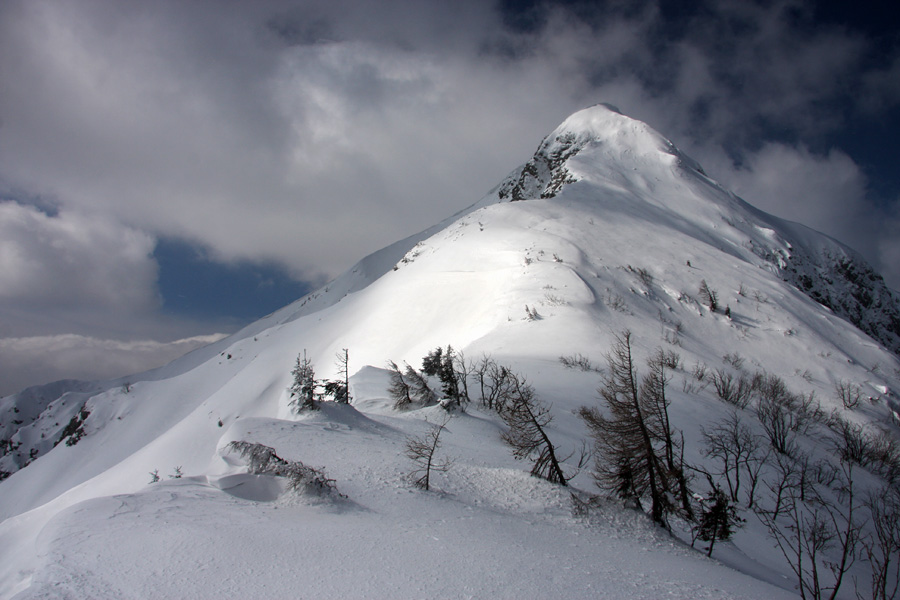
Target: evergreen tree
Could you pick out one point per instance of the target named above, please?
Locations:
(341, 391)
(718, 518)
(441, 363)
(398, 389)
(303, 388)
(418, 387)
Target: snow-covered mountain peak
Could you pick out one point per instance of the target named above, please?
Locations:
(607, 144)
(605, 125)
(616, 231)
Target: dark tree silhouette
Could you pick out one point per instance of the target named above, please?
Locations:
(527, 419)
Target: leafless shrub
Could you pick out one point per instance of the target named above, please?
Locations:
(734, 359)
(691, 386)
(553, 300)
(778, 421)
(616, 302)
(735, 391)
(875, 449)
(672, 338)
(644, 276)
(670, 330)
(781, 413)
(578, 361)
(700, 371)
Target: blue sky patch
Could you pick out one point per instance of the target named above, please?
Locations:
(193, 285)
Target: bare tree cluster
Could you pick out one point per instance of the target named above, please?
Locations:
(881, 547)
(496, 383)
(872, 448)
(818, 529)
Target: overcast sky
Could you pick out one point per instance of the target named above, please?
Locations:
(174, 169)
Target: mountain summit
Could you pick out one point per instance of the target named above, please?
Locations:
(624, 160)
(607, 228)
(619, 146)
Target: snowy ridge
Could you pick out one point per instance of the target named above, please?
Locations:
(612, 229)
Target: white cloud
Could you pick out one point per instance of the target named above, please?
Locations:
(40, 359)
(74, 261)
(314, 133)
(821, 191)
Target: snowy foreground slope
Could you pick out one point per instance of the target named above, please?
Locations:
(609, 227)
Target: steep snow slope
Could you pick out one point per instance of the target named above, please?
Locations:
(611, 228)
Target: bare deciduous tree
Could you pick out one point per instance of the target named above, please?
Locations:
(421, 451)
(462, 369)
(495, 382)
(848, 393)
(527, 419)
(341, 388)
(630, 454)
(788, 473)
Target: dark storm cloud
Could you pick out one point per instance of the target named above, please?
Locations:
(311, 133)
